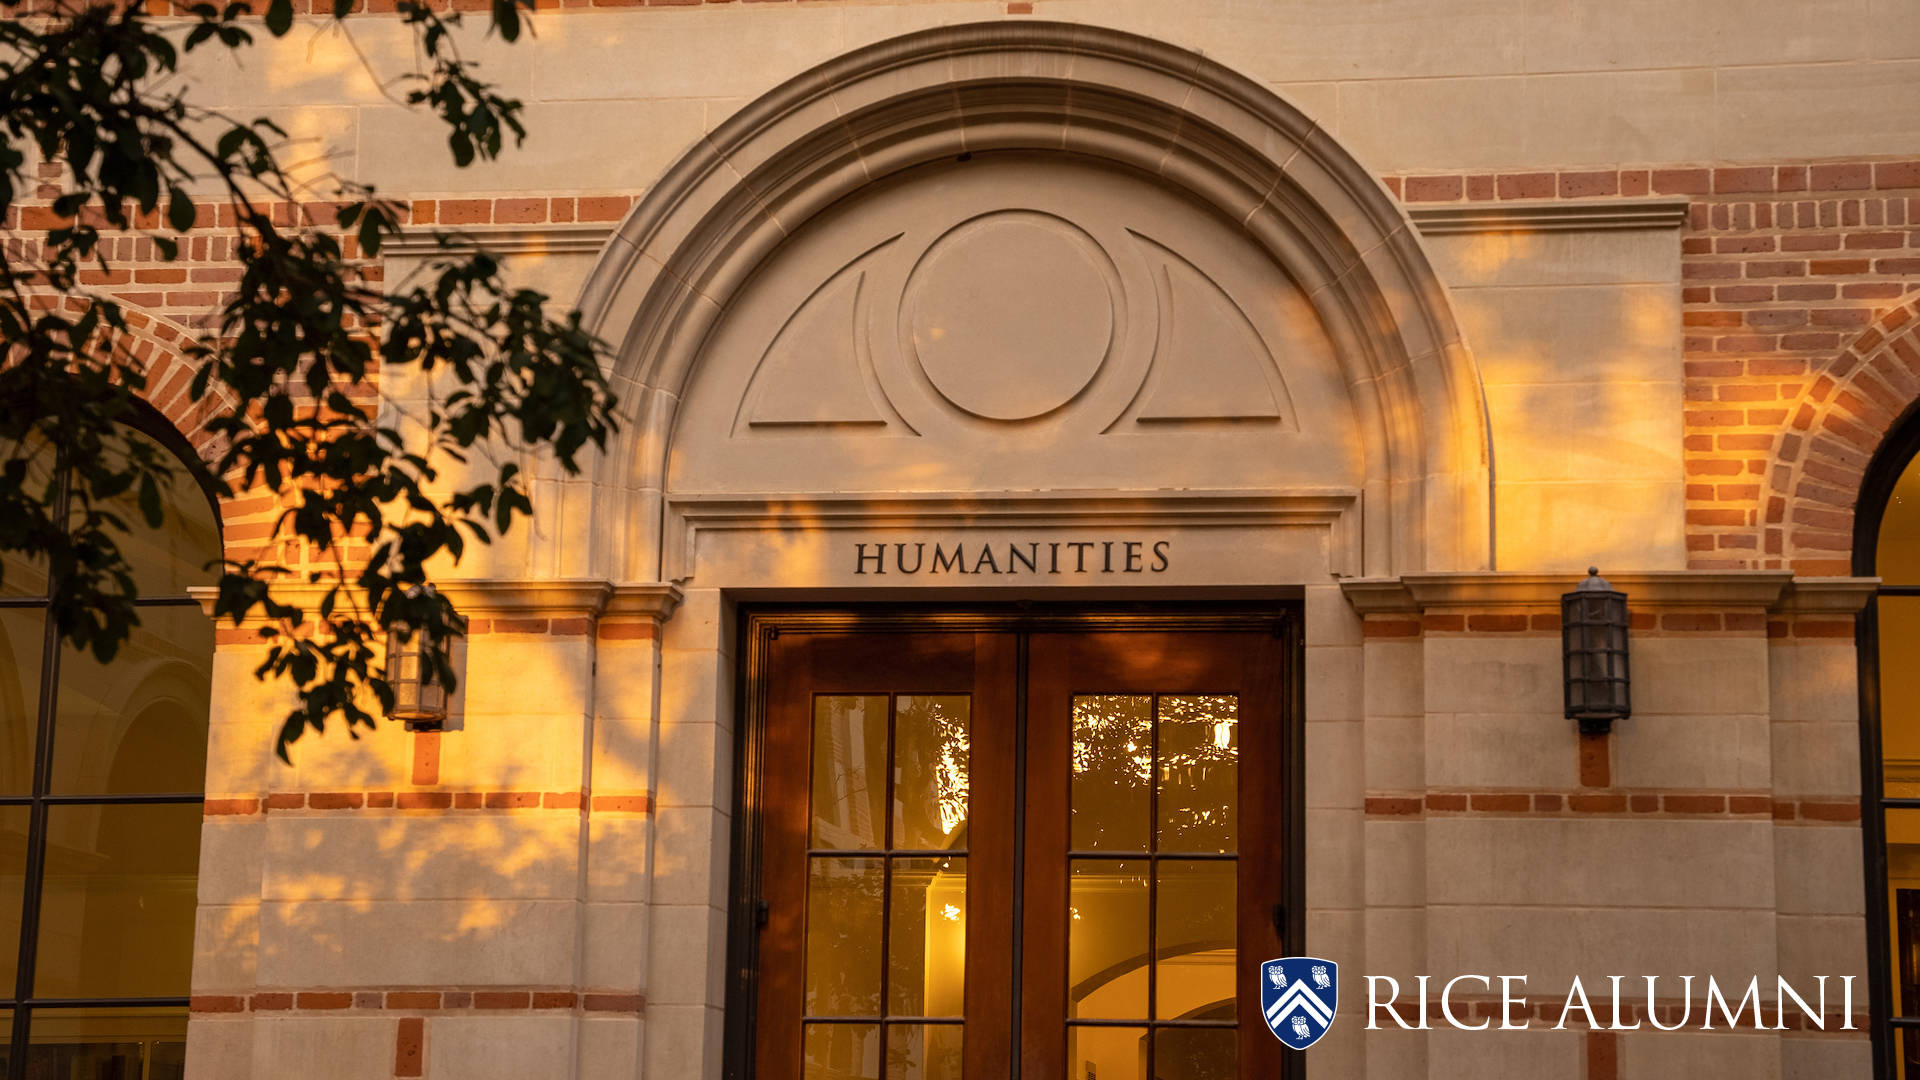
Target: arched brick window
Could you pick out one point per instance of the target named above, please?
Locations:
(102, 775)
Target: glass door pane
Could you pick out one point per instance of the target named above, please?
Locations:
(885, 964)
(1151, 916)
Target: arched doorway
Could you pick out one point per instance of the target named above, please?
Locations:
(972, 315)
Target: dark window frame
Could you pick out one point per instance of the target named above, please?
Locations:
(19, 999)
(758, 623)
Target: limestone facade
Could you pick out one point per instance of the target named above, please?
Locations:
(1399, 317)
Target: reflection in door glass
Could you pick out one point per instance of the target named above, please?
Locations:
(928, 931)
(1107, 940)
(1193, 937)
(1107, 1053)
(849, 771)
(1193, 1054)
(843, 937)
(930, 762)
(923, 1052)
(1112, 761)
(1199, 748)
(842, 1052)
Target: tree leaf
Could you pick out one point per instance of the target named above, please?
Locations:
(180, 212)
(279, 17)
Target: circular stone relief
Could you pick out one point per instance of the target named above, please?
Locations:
(1011, 314)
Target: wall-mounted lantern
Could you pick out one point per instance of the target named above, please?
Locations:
(1593, 643)
(418, 700)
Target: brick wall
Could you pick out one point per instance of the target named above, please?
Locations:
(1785, 267)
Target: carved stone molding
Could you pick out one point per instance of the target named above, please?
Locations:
(528, 598)
(650, 600)
(1336, 511)
(1770, 590)
(1564, 215)
(687, 254)
(587, 239)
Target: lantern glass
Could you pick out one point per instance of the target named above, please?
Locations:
(1593, 629)
(417, 699)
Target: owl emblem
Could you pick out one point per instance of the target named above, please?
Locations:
(1299, 997)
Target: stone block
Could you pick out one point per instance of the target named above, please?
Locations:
(623, 749)
(1816, 760)
(1528, 751)
(610, 1047)
(1617, 257)
(1335, 766)
(226, 942)
(1572, 862)
(1814, 110)
(687, 961)
(690, 856)
(1336, 863)
(1551, 945)
(324, 1048)
(1335, 682)
(1570, 526)
(1832, 945)
(478, 856)
(1469, 124)
(696, 687)
(417, 942)
(1699, 674)
(1586, 333)
(498, 1047)
(1818, 1057)
(1395, 753)
(683, 1040)
(1813, 684)
(696, 765)
(220, 1049)
(618, 848)
(506, 673)
(1720, 752)
(1546, 431)
(1535, 1054)
(1818, 871)
(615, 953)
(1485, 674)
(1396, 863)
(1686, 1055)
(230, 859)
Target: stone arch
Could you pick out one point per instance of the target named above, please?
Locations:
(684, 253)
(1820, 461)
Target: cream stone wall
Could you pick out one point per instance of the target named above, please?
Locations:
(542, 889)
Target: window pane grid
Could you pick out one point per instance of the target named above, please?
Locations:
(1208, 820)
(881, 1044)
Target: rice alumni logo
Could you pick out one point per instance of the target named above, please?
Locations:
(1299, 996)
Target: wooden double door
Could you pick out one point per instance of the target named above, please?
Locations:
(1020, 853)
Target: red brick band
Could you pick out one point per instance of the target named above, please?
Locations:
(1642, 622)
(288, 801)
(486, 999)
(1682, 804)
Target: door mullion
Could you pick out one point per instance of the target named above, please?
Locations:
(1022, 641)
